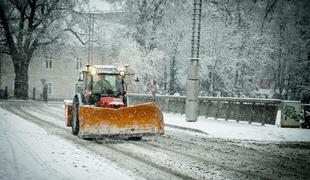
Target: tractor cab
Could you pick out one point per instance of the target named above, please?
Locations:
(99, 108)
(103, 86)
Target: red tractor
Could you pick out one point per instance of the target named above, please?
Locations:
(101, 109)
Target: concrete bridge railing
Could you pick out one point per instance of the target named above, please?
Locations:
(258, 110)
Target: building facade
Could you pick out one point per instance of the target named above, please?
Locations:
(57, 68)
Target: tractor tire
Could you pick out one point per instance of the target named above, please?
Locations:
(75, 117)
(135, 138)
(88, 139)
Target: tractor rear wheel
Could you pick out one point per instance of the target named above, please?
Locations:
(75, 116)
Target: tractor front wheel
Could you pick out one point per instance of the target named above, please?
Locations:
(75, 116)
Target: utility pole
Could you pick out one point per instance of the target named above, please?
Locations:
(1, 59)
(192, 84)
(90, 37)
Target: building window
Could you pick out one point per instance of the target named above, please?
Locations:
(78, 63)
(78, 88)
(49, 88)
(49, 62)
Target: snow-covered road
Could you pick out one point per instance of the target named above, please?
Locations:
(29, 152)
(37, 145)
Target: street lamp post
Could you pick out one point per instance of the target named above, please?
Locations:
(192, 84)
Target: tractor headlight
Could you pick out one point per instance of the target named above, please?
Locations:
(93, 72)
(122, 73)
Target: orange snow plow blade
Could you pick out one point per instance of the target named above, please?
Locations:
(133, 121)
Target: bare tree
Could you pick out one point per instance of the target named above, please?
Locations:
(148, 15)
(28, 24)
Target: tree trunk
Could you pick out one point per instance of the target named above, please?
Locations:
(172, 87)
(21, 85)
(1, 59)
(173, 70)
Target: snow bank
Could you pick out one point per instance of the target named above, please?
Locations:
(242, 130)
(29, 152)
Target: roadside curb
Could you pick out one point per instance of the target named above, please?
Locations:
(186, 128)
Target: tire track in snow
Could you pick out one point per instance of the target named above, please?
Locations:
(205, 163)
(51, 113)
(15, 164)
(152, 163)
(216, 147)
(40, 161)
(28, 149)
(234, 157)
(148, 161)
(181, 162)
(182, 154)
(112, 147)
(217, 160)
(163, 171)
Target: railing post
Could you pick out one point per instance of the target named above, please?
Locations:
(166, 104)
(139, 100)
(183, 106)
(199, 107)
(207, 108)
(6, 92)
(169, 105)
(128, 100)
(159, 102)
(144, 99)
(34, 93)
(265, 116)
(203, 113)
(174, 105)
(252, 113)
(176, 108)
(228, 111)
(240, 111)
(217, 109)
(179, 109)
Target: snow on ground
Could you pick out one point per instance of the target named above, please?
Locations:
(29, 152)
(242, 130)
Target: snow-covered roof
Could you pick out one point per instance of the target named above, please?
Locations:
(101, 69)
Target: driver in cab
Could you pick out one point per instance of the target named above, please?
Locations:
(102, 86)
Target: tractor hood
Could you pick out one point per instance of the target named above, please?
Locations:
(110, 102)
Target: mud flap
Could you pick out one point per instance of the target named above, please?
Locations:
(133, 121)
(68, 112)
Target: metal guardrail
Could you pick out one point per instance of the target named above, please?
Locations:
(258, 110)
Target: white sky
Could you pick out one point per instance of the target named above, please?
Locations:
(102, 5)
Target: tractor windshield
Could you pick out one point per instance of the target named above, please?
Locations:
(107, 84)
